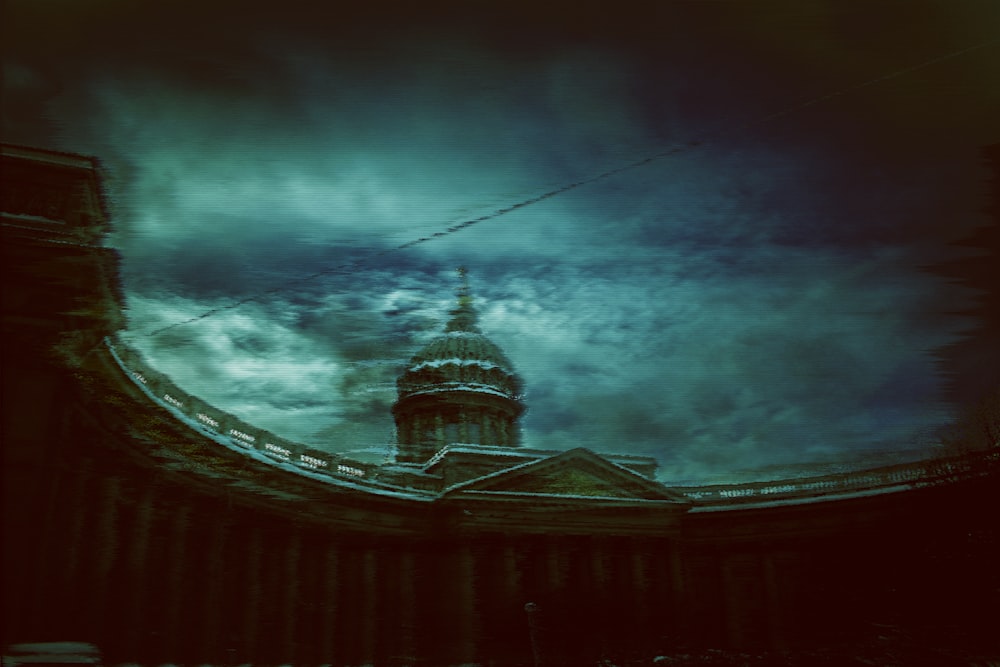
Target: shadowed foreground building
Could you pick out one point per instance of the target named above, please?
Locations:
(143, 521)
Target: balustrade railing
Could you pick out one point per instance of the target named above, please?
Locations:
(877, 480)
(225, 427)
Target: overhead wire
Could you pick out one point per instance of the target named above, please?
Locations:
(635, 164)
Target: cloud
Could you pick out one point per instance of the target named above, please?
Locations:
(774, 367)
(674, 319)
(748, 300)
(246, 362)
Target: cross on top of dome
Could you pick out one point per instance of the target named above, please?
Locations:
(463, 316)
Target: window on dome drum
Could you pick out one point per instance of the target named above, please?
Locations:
(451, 433)
(428, 434)
(474, 431)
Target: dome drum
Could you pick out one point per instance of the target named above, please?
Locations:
(427, 422)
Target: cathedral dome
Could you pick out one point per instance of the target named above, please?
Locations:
(460, 387)
(464, 361)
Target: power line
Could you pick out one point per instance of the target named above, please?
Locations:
(795, 108)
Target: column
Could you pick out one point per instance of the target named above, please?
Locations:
(34, 586)
(290, 593)
(369, 603)
(251, 612)
(309, 617)
(60, 603)
(416, 429)
(138, 572)
(676, 571)
(106, 545)
(79, 507)
(350, 592)
(212, 639)
(489, 428)
(731, 594)
(559, 615)
(777, 604)
(464, 612)
(743, 590)
(463, 425)
(670, 588)
(601, 581)
(512, 585)
(514, 595)
(474, 426)
(577, 600)
(330, 637)
(407, 605)
(177, 585)
(555, 564)
(641, 586)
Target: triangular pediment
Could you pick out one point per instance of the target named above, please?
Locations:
(578, 473)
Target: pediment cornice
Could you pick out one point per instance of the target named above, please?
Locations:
(578, 474)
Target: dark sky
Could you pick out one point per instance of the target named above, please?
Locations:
(750, 298)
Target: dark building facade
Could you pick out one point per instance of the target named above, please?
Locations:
(126, 527)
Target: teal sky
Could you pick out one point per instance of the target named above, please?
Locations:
(751, 299)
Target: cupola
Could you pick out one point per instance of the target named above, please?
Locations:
(460, 388)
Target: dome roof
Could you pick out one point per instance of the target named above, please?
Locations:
(460, 360)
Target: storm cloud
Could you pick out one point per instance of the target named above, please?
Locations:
(720, 265)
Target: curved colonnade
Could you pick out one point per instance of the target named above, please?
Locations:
(129, 527)
(232, 432)
(175, 549)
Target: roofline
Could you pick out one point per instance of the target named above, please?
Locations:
(53, 157)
